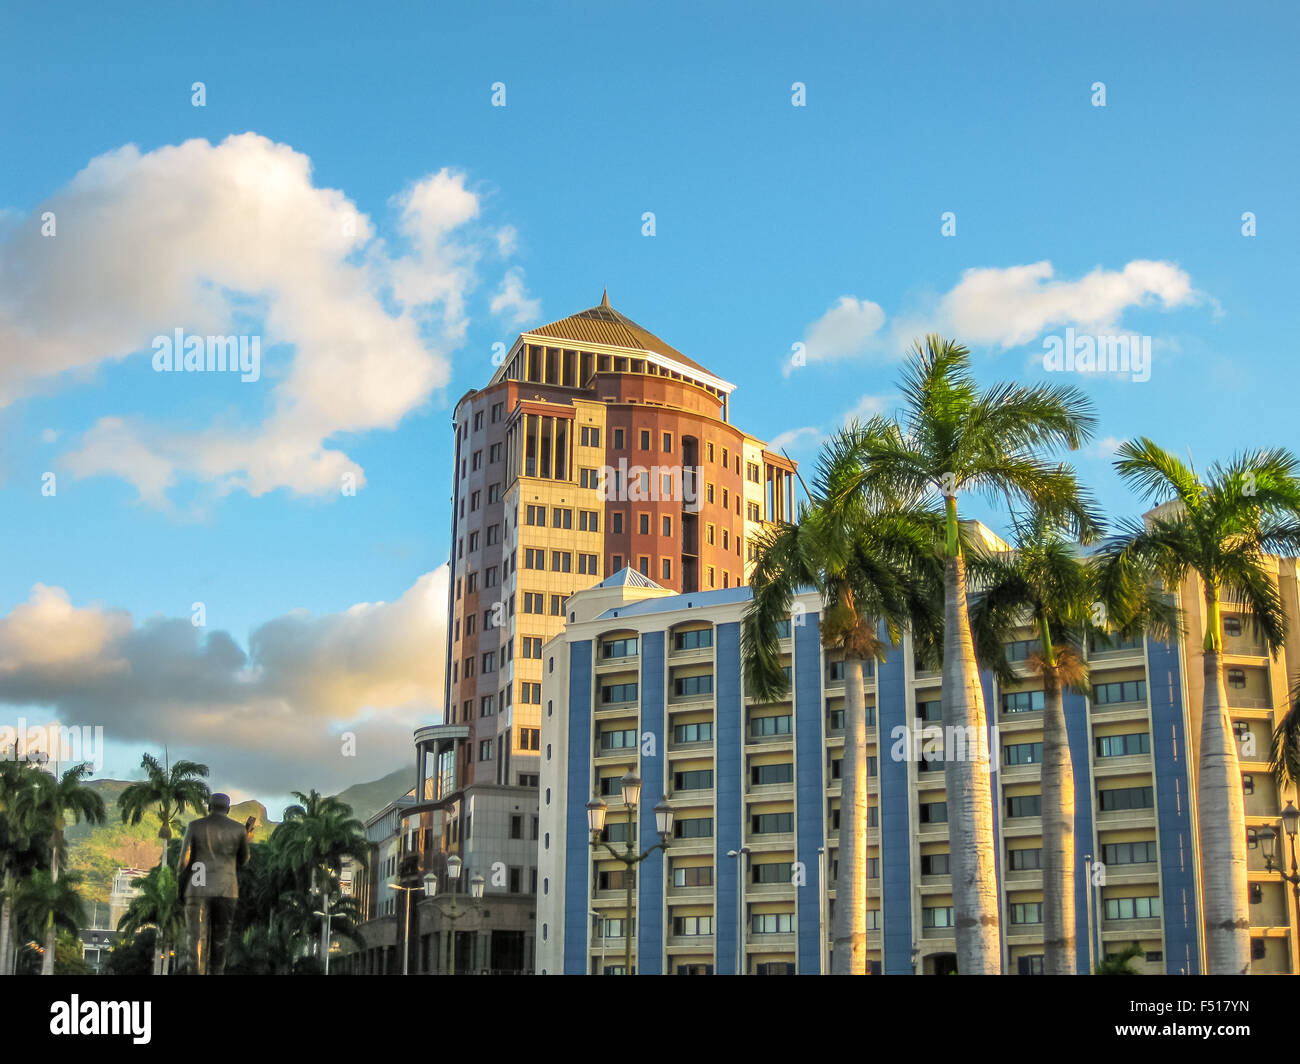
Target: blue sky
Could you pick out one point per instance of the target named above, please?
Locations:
(774, 224)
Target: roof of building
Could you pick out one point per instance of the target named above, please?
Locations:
(606, 326)
(629, 577)
(689, 600)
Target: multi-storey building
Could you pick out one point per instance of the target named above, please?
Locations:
(1258, 689)
(595, 446)
(411, 839)
(648, 679)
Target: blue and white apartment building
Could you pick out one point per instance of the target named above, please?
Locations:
(646, 679)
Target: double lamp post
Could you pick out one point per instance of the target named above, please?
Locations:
(451, 912)
(596, 810)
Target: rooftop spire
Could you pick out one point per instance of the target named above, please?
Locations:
(604, 298)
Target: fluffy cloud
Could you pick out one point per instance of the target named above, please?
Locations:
(1000, 308)
(512, 300)
(269, 720)
(1010, 307)
(235, 238)
(846, 330)
(809, 437)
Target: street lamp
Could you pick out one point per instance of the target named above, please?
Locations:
(595, 914)
(1268, 839)
(741, 854)
(453, 912)
(822, 960)
(1087, 872)
(429, 886)
(596, 810)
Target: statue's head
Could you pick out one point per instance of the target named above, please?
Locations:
(219, 803)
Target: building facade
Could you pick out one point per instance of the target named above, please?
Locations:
(649, 679)
(594, 446)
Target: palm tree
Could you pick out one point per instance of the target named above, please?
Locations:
(1284, 756)
(956, 439)
(23, 840)
(313, 839)
(1120, 963)
(157, 904)
(45, 904)
(52, 800)
(268, 949)
(869, 558)
(165, 792)
(1221, 530)
(1047, 583)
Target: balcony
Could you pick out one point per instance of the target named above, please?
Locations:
(1240, 700)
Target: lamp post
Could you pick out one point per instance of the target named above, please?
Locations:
(597, 917)
(596, 810)
(740, 856)
(454, 912)
(1268, 838)
(430, 885)
(822, 960)
(1087, 871)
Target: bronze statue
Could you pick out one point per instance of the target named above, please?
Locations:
(208, 878)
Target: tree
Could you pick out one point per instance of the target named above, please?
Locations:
(1284, 756)
(1221, 530)
(44, 905)
(870, 557)
(23, 840)
(956, 439)
(1047, 583)
(313, 839)
(69, 955)
(166, 793)
(1120, 963)
(157, 904)
(54, 798)
(133, 955)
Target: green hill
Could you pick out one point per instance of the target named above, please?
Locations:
(367, 799)
(97, 851)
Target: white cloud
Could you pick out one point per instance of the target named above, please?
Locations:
(866, 407)
(790, 439)
(1009, 307)
(507, 240)
(235, 238)
(846, 330)
(512, 301)
(266, 721)
(1000, 307)
(1104, 448)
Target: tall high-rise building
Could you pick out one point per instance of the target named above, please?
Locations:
(594, 446)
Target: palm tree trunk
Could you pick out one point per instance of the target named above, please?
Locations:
(47, 961)
(850, 956)
(969, 790)
(1222, 832)
(1058, 837)
(6, 925)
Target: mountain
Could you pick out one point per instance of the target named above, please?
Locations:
(367, 799)
(97, 851)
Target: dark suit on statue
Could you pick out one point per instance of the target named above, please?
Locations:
(208, 873)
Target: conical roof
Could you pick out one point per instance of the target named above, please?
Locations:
(604, 325)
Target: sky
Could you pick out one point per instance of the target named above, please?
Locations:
(250, 572)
